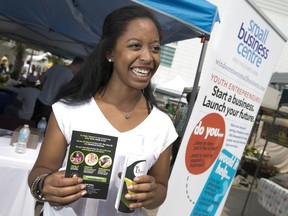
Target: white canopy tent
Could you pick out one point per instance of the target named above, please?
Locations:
(173, 87)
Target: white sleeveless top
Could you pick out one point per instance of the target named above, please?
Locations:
(157, 129)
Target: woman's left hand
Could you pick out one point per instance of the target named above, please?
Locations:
(144, 191)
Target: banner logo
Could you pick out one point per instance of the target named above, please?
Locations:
(252, 43)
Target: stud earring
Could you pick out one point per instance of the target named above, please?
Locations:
(109, 60)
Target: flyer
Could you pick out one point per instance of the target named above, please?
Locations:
(91, 157)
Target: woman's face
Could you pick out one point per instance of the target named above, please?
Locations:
(136, 55)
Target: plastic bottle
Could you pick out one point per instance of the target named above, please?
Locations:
(23, 138)
(42, 124)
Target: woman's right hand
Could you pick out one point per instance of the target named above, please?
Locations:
(59, 191)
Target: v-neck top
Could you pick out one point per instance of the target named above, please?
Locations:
(158, 132)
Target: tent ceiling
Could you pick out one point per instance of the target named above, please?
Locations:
(71, 28)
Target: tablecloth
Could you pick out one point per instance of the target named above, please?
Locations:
(273, 197)
(15, 199)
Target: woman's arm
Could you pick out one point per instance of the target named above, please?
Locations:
(52, 150)
(56, 189)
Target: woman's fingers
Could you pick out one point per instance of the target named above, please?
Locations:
(144, 191)
(59, 190)
(60, 201)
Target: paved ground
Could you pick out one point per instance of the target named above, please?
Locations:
(236, 200)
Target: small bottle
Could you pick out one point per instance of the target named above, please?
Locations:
(42, 124)
(23, 138)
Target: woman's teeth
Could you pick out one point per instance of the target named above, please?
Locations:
(140, 71)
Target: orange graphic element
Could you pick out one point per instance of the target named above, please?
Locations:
(205, 143)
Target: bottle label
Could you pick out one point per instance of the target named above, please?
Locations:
(41, 125)
(23, 136)
(139, 168)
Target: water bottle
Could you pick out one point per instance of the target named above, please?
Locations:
(42, 124)
(23, 138)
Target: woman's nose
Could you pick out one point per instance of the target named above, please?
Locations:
(146, 55)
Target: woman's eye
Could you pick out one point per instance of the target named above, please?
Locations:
(156, 49)
(135, 45)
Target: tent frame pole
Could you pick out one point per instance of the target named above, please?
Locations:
(204, 40)
(260, 159)
(283, 101)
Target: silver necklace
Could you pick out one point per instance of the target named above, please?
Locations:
(127, 115)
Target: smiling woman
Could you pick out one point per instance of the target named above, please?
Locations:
(111, 96)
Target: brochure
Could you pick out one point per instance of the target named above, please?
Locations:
(91, 157)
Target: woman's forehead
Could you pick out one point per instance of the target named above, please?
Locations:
(137, 27)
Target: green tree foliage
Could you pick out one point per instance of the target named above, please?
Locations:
(19, 50)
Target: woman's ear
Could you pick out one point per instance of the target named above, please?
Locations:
(109, 57)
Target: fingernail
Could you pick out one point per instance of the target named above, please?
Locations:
(83, 193)
(80, 180)
(83, 186)
(129, 187)
(128, 196)
(136, 179)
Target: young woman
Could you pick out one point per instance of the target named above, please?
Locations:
(111, 95)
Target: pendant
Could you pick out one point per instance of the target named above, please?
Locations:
(127, 115)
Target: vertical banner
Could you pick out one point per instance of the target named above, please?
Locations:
(246, 50)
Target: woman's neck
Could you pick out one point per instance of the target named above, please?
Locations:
(125, 101)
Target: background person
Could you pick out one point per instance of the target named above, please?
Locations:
(111, 95)
(5, 61)
(52, 80)
(3, 69)
(179, 123)
(24, 103)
